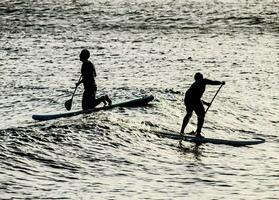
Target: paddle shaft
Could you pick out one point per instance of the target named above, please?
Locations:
(214, 97)
(75, 88)
(68, 104)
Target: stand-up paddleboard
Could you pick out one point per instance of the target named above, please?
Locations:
(133, 103)
(198, 140)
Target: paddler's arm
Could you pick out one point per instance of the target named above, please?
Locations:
(210, 82)
(206, 103)
(78, 83)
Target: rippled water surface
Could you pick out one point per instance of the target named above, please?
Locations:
(139, 48)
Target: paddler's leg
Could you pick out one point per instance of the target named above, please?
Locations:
(87, 102)
(186, 119)
(200, 124)
(108, 99)
(199, 110)
(102, 99)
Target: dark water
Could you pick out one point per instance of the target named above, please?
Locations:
(139, 48)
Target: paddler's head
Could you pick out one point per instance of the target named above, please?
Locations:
(84, 55)
(198, 76)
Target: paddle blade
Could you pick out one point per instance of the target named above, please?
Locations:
(68, 104)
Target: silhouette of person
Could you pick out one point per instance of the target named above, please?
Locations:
(193, 101)
(88, 74)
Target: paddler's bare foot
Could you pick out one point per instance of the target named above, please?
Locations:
(104, 100)
(108, 100)
(199, 135)
(191, 133)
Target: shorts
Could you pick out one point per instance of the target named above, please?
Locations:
(196, 106)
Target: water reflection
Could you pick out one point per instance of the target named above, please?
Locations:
(191, 149)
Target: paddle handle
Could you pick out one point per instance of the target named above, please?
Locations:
(214, 97)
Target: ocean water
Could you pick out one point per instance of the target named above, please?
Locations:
(139, 48)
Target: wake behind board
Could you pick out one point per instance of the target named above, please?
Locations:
(132, 103)
(198, 140)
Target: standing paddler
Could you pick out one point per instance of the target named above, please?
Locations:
(193, 101)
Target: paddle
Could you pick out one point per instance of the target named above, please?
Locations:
(214, 98)
(68, 104)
